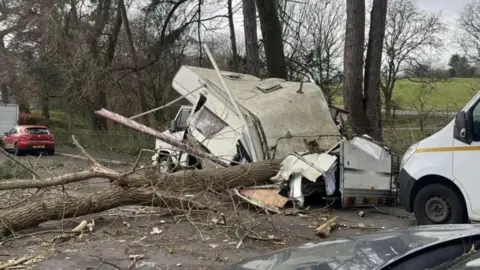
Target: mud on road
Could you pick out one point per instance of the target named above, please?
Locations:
(163, 240)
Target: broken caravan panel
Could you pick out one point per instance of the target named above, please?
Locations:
(285, 117)
(166, 155)
(219, 114)
(357, 173)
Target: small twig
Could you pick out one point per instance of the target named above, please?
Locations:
(263, 238)
(89, 157)
(16, 262)
(105, 262)
(20, 236)
(84, 152)
(380, 211)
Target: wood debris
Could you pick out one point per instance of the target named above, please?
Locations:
(323, 231)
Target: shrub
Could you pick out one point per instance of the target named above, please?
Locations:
(31, 119)
(11, 170)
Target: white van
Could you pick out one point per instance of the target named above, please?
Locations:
(9, 114)
(436, 180)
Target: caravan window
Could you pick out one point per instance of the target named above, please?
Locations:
(207, 123)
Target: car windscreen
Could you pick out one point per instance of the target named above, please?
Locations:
(37, 130)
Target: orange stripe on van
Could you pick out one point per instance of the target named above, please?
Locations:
(448, 149)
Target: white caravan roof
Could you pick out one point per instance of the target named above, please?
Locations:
(281, 112)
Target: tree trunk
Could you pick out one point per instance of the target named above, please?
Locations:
(251, 38)
(388, 105)
(99, 99)
(45, 108)
(99, 102)
(4, 95)
(353, 65)
(35, 212)
(372, 104)
(23, 105)
(141, 100)
(233, 40)
(272, 38)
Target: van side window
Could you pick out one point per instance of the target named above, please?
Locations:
(476, 121)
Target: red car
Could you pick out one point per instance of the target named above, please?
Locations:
(28, 138)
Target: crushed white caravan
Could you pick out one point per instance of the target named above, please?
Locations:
(279, 118)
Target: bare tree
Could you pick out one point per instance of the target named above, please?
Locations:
(251, 38)
(409, 32)
(272, 38)
(469, 31)
(314, 35)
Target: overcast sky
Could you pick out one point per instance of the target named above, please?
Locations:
(451, 10)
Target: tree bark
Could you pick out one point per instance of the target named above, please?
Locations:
(192, 180)
(353, 65)
(233, 40)
(4, 95)
(272, 38)
(45, 107)
(251, 37)
(35, 212)
(24, 106)
(373, 62)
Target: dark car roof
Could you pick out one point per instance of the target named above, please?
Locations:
(372, 251)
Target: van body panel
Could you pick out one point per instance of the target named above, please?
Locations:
(443, 155)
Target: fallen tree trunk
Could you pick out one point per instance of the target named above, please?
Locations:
(251, 174)
(141, 190)
(36, 212)
(192, 180)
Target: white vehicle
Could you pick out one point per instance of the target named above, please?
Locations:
(437, 180)
(9, 114)
(167, 156)
(280, 116)
(283, 119)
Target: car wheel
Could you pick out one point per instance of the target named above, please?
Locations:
(165, 164)
(17, 151)
(51, 152)
(439, 204)
(2, 145)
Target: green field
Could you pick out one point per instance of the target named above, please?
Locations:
(450, 95)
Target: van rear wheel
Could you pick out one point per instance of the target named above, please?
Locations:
(439, 204)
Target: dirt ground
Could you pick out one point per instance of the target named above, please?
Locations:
(164, 241)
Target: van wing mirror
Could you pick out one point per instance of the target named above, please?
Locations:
(461, 131)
